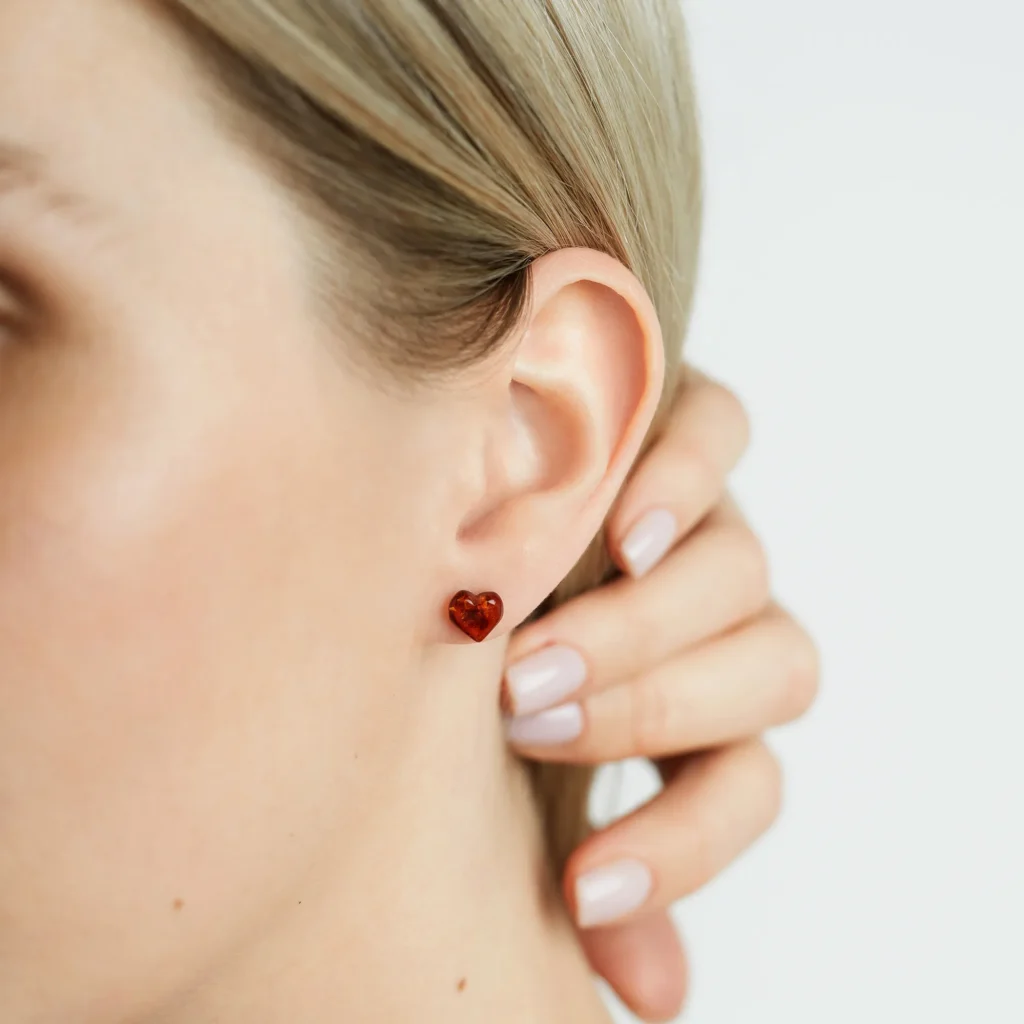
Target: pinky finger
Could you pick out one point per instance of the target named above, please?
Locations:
(713, 808)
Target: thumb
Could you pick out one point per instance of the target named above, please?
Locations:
(643, 961)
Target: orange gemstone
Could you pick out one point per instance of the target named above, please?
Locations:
(475, 614)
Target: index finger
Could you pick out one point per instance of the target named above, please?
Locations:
(682, 476)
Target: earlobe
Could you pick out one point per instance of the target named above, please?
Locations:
(579, 391)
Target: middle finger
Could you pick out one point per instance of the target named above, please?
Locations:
(716, 579)
(759, 676)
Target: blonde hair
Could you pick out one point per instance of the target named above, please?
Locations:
(449, 143)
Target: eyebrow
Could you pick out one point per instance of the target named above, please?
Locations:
(23, 169)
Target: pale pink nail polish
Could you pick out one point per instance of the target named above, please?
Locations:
(608, 893)
(543, 679)
(556, 725)
(649, 540)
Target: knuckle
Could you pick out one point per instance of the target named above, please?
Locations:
(650, 719)
(701, 481)
(750, 565)
(702, 859)
(727, 408)
(802, 672)
(755, 802)
(766, 780)
(645, 633)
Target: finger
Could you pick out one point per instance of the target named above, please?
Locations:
(741, 684)
(716, 579)
(644, 962)
(681, 478)
(713, 810)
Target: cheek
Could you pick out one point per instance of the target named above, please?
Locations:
(184, 604)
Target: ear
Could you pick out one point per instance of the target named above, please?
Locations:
(566, 412)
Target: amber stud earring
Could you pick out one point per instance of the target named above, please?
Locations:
(475, 614)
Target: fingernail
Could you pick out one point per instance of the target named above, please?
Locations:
(607, 893)
(558, 725)
(544, 679)
(646, 543)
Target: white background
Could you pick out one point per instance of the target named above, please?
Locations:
(863, 290)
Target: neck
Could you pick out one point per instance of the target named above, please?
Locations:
(439, 906)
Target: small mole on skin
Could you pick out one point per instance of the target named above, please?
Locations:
(178, 904)
(461, 985)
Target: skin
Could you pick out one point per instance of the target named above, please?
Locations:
(694, 690)
(240, 744)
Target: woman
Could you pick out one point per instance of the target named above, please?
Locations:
(315, 315)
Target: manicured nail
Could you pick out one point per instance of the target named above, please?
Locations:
(544, 679)
(608, 893)
(646, 543)
(558, 725)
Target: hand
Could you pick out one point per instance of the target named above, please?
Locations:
(686, 661)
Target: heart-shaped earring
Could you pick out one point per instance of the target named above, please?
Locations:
(475, 614)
